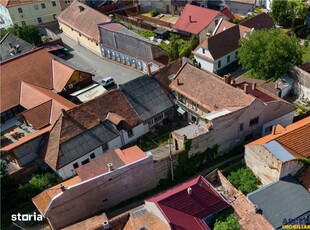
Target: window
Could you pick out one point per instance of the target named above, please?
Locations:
(183, 99)
(241, 127)
(54, 16)
(80, 35)
(219, 64)
(39, 20)
(92, 155)
(236, 54)
(130, 133)
(228, 58)
(85, 162)
(158, 118)
(23, 23)
(216, 21)
(96, 44)
(36, 7)
(75, 165)
(194, 106)
(193, 119)
(254, 121)
(67, 1)
(203, 51)
(53, 3)
(268, 130)
(43, 5)
(20, 10)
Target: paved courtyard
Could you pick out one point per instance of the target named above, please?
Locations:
(83, 59)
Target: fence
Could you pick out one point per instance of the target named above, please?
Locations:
(135, 22)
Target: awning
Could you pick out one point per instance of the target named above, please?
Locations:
(180, 110)
(89, 92)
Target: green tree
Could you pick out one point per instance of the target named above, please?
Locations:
(3, 169)
(279, 11)
(244, 180)
(269, 53)
(226, 221)
(29, 33)
(174, 47)
(297, 9)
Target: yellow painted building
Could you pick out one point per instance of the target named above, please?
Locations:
(28, 12)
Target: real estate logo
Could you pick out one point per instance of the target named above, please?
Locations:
(27, 217)
(299, 223)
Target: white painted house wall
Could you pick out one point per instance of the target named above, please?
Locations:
(137, 131)
(6, 18)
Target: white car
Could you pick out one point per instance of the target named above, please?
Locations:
(107, 81)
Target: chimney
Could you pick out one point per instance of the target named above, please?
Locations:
(254, 86)
(184, 137)
(227, 78)
(233, 82)
(63, 188)
(106, 225)
(273, 131)
(189, 191)
(10, 45)
(208, 35)
(63, 111)
(110, 167)
(148, 69)
(244, 87)
(81, 8)
(276, 85)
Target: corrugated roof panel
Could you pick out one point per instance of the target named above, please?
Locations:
(278, 151)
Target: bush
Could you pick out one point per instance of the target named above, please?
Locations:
(226, 221)
(244, 180)
(154, 13)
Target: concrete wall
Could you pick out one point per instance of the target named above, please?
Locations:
(302, 81)
(27, 152)
(160, 5)
(102, 192)
(290, 167)
(283, 120)
(224, 61)
(81, 39)
(263, 164)
(30, 15)
(239, 8)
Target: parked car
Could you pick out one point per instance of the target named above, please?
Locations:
(107, 81)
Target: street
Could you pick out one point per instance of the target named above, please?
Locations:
(85, 60)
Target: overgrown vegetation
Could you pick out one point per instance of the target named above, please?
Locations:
(269, 53)
(17, 198)
(29, 33)
(244, 180)
(154, 13)
(226, 220)
(144, 33)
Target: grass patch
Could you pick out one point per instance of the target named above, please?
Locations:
(306, 54)
(147, 15)
(144, 33)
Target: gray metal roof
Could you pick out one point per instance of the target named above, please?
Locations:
(146, 97)
(86, 142)
(284, 199)
(278, 151)
(23, 47)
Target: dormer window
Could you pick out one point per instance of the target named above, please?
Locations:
(203, 50)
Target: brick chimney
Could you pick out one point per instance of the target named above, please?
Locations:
(62, 187)
(110, 167)
(189, 191)
(254, 86)
(233, 82)
(245, 88)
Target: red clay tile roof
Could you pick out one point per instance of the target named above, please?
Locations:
(200, 19)
(227, 12)
(84, 21)
(225, 42)
(199, 86)
(117, 157)
(184, 211)
(34, 67)
(10, 3)
(258, 22)
(43, 200)
(39, 116)
(61, 75)
(269, 86)
(294, 138)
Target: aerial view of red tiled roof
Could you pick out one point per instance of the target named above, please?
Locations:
(194, 19)
(10, 3)
(83, 19)
(227, 12)
(260, 21)
(186, 205)
(200, 86)
(294, 138)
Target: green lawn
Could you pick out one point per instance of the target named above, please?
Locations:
(306, 55)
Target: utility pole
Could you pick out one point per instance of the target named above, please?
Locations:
(171, 159)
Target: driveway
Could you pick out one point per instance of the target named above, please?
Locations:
(85, 60)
